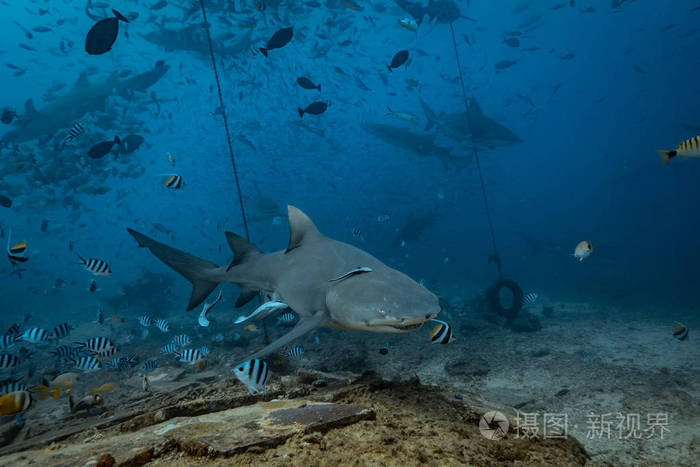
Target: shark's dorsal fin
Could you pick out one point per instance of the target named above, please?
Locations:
(301, 228)
(474, 108)
(82, 82)
(29, 109)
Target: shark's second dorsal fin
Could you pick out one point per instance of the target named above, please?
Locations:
(29, 109)
(301, 228)
(82, 82)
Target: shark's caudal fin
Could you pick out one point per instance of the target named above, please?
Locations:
(243, 252)
(304, 326)
(193, 268)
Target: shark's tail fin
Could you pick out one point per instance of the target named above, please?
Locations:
(196, 270)
(243, 252)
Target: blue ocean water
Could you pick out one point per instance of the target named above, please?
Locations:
(583, 93)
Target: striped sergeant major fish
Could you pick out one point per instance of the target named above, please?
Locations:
(119, 363)
(8, 361)
(61, 331)
(441, 334)
(96, 266)
(7, 341)
(253, 373)
(163, 325)
(108, 352)
(295, 351)
(64, 352)
(75, 131)
(190, 356)
(287, 317)
(529, 299)
(34, 335)
(97, 345)
(169, 348)
(688, 148)
(174, 181)
(182, 340)
(13, 386)
(145, 320)
(87, 363)
(149, 365)
(16, 252)
(14, 330)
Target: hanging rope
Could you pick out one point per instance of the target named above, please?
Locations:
(223, 113)
(495, 257)
(206, 26)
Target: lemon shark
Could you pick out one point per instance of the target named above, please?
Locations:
(85, 97)
(326, 282)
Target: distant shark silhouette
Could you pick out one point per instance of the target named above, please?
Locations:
(326, 282)
(413, 229)
(439, 11)
(85, 97)
(192, 38)
(472, 126)
(421, 144)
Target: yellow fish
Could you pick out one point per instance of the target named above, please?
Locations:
(250, 327)
(107, 387)
(15, 402)
(583, 250)
(688, 148)
(42, 391)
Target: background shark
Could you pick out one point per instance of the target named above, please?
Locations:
(85, 97)
(326, 282)
(192, 38)
(472, 127)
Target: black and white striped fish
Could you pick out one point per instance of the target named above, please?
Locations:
(149, 365)
(205, 350)
(119, 363)
(7, 341)
(87, 363)
(16, 253)
(34, 335)
(96, 344)
(65, 352)
(108, 352)
(287, 317)
(442, 333)
(61, 331)
(294, 351)
(96, 266)
(145, 320)
(182, 340)
(253, 373)
(169, 348)
(163, 325)
(13, 386)
(13, 330)
(174, 182)
(529, 299)
(8, 361)
(357, 233)
(190, 356)
(75, 131)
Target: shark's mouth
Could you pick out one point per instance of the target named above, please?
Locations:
(407, 327)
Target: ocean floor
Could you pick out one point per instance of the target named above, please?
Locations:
(578, 384)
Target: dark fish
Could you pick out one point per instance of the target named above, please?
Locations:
(9, 115)
(41, 29)
(131, 143)
(306, 83)
(102, 35)
(680, 332)
(399, 59)
(568, 56)
(159, 6)
(93, 286)
(5, 202)
(278, 40)
(26, 47)
(512, 42)
(315, 108)
(103, 148)
(558, 6)
(503, 64)
(44, 225)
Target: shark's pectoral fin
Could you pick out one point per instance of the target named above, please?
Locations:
(304, 326)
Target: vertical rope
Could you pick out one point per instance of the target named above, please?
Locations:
(223, 113)
(495, 257)
(206, 26)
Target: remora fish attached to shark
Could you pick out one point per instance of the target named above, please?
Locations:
(381, 300)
